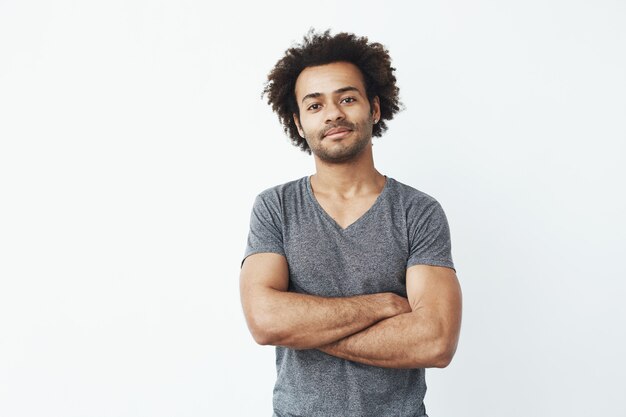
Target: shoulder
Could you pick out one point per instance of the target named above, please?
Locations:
(410, 197)
(281, 191)
(283, 197)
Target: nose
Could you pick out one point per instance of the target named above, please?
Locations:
(334, 113)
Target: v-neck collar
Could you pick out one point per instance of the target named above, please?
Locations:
(329, 218)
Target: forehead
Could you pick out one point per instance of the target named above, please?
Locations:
(325, 79)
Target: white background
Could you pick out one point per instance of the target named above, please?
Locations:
(134, 139)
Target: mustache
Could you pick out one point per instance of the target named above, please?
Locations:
(343, 124)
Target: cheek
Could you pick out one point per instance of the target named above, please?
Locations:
(308, 126)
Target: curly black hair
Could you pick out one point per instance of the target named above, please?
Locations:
(372, 59)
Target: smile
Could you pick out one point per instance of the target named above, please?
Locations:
(337, 133)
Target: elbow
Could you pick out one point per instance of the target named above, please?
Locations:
(263, 329)
(443, 346)
(260, 335)
(442, 360)
(269, 333)
(262, 339)
(443, 354)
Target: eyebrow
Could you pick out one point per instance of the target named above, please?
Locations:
(339, 91)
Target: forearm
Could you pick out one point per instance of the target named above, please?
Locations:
(410, 340)
(305, 321)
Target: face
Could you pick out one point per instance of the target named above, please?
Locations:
(336, 118)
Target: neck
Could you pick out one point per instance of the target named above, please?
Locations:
(350, 178)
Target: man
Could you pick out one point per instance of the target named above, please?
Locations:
(347, 272)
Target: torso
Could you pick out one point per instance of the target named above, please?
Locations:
(364, 250)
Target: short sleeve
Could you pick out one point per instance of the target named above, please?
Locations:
(429, 237)
(266, 231)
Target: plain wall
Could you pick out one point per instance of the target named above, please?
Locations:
(133, 140)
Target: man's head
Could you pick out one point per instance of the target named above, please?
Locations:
(328, 82)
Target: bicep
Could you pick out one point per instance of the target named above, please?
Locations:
(261, 276)
(436, 291)
(262, 271)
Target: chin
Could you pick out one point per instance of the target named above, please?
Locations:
(345, 155)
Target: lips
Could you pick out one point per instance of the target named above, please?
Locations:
(337, 131)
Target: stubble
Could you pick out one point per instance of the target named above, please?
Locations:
(346, 149)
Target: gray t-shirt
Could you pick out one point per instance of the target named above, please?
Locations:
(404, 227)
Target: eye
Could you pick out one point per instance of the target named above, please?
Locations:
(348, 100)
(314, 106)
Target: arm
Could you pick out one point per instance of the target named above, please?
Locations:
(425, 337)
(301, 321)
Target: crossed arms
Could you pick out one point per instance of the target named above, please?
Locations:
(381, 329)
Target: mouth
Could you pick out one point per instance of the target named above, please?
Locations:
(337, 133)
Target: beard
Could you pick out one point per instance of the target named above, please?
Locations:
(345, 149)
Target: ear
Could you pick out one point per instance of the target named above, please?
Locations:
(376, 109)
(296, 120)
